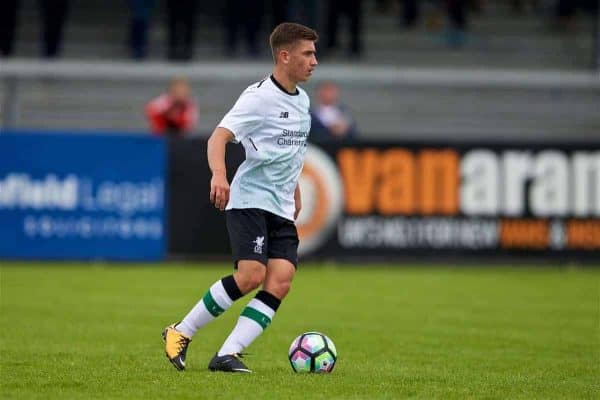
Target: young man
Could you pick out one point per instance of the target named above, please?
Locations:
(271, 119)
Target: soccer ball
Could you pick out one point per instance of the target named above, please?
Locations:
(312, 352)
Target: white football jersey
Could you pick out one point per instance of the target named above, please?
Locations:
(273, 126)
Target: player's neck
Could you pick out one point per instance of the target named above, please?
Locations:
(284, 80)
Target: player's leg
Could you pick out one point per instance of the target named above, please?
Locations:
(245, 227)
(218, 298)
(255, 317)
(221, 295)
(258, 314)
(250, 274)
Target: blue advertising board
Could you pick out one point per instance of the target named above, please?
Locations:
(82, 196)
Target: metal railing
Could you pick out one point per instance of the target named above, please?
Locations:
(13, 72)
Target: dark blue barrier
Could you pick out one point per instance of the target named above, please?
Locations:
(92, 196)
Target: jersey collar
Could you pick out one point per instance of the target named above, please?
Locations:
(296, 93)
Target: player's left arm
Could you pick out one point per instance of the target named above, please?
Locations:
(298, 201)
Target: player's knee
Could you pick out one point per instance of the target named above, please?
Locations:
(283, 289)
(255, 280)
(279, 289)
(249, 275)
(248, 282)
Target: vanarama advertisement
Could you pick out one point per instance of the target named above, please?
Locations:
(382, 199)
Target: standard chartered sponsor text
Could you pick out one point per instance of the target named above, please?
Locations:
(291, 133)
(292, 138)
(401, 232)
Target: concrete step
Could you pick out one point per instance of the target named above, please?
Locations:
(577, 56)
(382, 111)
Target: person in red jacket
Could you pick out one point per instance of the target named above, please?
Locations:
(173, 113)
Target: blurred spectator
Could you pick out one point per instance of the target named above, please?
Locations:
(246, 15)
(8, 23)
(181, 23)
(519, 6)
(457, 15)
(54, 14)
(173, 113)
(331, 120)
(353, 10)
(410, 13)
(305, 12)
(281, 12)
(456, 33)
(566, 12)
(141, 11)
(382, 6)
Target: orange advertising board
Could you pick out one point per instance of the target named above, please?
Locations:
(387, 198)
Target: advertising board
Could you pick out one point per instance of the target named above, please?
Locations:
(69, 196)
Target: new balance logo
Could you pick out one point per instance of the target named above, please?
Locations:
(260, 240)
(284, 114)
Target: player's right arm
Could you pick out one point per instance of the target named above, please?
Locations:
(219, 187)
(245, 116)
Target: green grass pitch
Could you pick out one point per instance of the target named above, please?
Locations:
(92, 331)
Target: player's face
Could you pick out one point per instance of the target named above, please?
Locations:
(303, 60)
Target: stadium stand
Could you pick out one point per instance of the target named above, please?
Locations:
(467, 98)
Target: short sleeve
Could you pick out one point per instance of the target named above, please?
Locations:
(245, 116)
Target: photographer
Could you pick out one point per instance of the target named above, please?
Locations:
(173, 113)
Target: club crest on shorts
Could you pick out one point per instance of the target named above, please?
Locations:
(260, 240)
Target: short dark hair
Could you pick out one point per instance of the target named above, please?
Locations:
(287, 34)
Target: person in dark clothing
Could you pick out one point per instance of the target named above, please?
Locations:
(353, 10)
(306, 12)
(54, 15)
(141, 11)
(566, 12)
(246, 15)
(8, 23)
(281, 11)
(330, 119)
(181, 23)
(457, 13)
(456, 35)
(410, 13)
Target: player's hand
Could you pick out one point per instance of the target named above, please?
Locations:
(339, 128)
(219, 191)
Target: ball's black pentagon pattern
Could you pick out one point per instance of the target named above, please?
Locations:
(312, 356)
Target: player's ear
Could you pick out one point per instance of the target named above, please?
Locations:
(285, 56)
